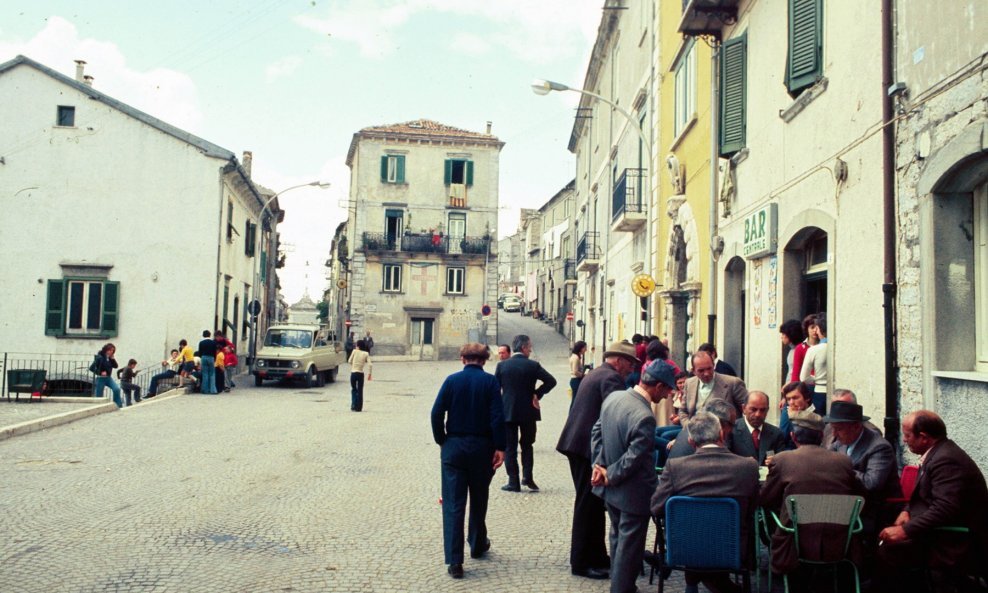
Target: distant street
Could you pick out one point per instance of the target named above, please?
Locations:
(275, 489)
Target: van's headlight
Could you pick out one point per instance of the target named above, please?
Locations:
(296, 364)
(260, 363)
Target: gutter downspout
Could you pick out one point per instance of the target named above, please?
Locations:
(889, 238)
(714, 160)
(219, 252)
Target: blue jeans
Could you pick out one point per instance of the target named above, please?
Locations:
(102, 382)
(153, 388)
(208, 364)
(356, 391)
(574, 386)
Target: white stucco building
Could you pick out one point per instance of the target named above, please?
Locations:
(423, 222)
(117, 226)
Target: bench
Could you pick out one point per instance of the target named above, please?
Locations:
(28, 381)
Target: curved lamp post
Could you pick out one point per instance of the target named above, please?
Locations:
(253, 315)
(544, 87)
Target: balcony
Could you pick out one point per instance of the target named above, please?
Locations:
(628, 205)
(569, 271)
(588, 253)
(420, 243)
(707, 17)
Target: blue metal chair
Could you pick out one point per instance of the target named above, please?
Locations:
(701, 535)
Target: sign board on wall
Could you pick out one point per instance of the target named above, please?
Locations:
(761, 232)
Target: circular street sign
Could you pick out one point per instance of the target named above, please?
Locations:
(254, 308)
(569, 316)
(485, 310)
(348, 323)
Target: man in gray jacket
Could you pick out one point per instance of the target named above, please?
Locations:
(623, 444)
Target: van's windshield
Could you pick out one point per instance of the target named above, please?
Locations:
(289, 338)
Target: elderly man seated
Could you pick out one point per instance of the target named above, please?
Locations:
(712, 472)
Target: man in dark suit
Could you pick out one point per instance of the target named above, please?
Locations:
(809, 469)
(950, 492)
(518, 376)
(623, 444)
(587, 552)
(844, 395)
(712, 472)
(708, 384)
(719, 365)
(472, 442)
(753, 437)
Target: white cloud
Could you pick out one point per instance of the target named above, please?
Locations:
(166, 94)
(281, 68)
(467, 43)
(533, 31)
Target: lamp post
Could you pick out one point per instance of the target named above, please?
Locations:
(255, 309)
(544, 87)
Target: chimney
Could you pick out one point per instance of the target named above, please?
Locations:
(88, 80)
(80, 66)
(488, 128)
(248, 158)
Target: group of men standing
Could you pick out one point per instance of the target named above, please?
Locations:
(609, 439)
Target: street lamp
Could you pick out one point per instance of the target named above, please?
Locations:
(544, 87)
(254, 307)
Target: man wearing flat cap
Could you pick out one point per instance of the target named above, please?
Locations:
(588, 553)
(872, 458)
(623, 445)
(809, 469)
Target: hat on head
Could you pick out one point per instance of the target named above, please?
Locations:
(623, 348)
(845, 412)
(807, 419)
(659, 371)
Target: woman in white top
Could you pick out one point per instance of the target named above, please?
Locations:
(576, 370)
(360, 362)
(814, 369)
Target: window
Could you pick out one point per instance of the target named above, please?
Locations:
(392, 277)
(733, 94)
(804, 63)
(66, 116)
(685, 107)
(393, 224)
(393, 168)
(459, 172)
(422, 329)
(82, 307)
(250, 239)
(454, 280)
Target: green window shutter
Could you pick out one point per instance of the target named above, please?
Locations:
(111, 309)
(733, 94)
(400, 176)
(264, 266)
(248, 245)
(384, 169)
(449, 172)
(55, 308)
(804, 63)
(469, 167)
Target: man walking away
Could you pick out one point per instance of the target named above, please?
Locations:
(472, 442)
(207, 360)
(518, 376)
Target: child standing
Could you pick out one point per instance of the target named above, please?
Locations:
(220, 366)
(126, 376)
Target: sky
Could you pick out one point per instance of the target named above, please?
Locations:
(293, 80)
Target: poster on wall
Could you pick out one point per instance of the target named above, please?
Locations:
(756, 293)
(773, 292)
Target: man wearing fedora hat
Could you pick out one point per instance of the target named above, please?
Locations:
(871, 455)
(588, 553)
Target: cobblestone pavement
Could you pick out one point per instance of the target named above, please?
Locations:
(274, 489)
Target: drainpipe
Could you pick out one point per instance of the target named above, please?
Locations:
(889, 231)
(714, 159)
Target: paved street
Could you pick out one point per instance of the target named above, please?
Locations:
(274, 489)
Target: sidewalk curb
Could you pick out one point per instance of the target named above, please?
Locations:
(30, 426)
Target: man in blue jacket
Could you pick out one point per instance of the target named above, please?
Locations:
(472, 442)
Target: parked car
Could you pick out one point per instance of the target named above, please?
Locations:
(512, 304)
(504, 297)
(298, 351)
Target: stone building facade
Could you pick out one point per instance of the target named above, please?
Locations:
(424, 200)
